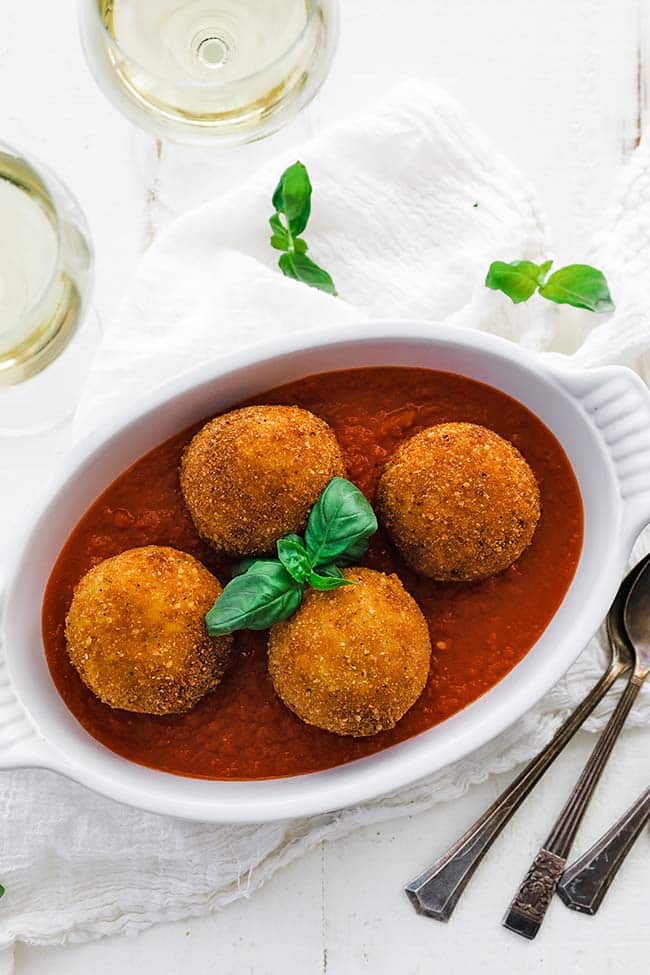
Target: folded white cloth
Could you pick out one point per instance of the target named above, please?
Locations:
(411, 203)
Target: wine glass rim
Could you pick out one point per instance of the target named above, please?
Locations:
(314, 5)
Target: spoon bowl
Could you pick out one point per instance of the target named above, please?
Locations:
(637, 622)
(617, 635)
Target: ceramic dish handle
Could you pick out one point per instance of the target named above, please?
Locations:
(617, 402)
(20, 744)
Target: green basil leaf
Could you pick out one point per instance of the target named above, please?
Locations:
(331, 570)
(325, 583)
(581, 286)
(518, 280)
(280, 237)
(245, 565)
(282, 240)
(2, 891)
(293, 556)
(340, 521)
(264, 595)
(302, 268)
(292, 197)
(293, 537)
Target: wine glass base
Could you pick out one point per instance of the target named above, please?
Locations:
(48, 399)
(184, 176)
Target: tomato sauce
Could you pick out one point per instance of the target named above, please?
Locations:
(479, 631)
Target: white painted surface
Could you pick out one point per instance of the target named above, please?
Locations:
(561, 88)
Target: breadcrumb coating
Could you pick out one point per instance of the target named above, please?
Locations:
(354, 660)
(136, 634)
(250, 476)
(459, 502)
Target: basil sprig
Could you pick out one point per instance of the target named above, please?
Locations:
(267, 591)
(576, 284)
(292, 202)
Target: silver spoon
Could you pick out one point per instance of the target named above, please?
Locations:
(585, 883)
(437, 890)
(531, 902)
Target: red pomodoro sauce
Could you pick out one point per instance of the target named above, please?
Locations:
(479, 631)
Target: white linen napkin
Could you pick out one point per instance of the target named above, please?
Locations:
(411, 203)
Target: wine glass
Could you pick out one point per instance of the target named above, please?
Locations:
(46, 270)
(208, 72)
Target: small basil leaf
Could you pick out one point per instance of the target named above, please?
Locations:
(2, 891)
(293, 556)
(331, 570)
(543, 271)
(292, 197)
(302, 268)
(245, 565)
(581, 286)
(325, 583)
(280, 236)
(281, 241)
(293, 537)
(518, 280)
(263, 596)
(339, 522)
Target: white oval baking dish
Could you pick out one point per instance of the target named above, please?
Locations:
(602, 419)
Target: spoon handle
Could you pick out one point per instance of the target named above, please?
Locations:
(528, 909)
(586, 881)
(437, 890)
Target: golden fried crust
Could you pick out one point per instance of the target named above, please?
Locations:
(253, 475)
(352, 661)
(459, 502)
(136, 634)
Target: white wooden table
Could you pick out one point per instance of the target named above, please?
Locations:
(562, 88)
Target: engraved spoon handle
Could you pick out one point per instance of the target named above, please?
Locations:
(529, 906)
(586, 881)
(437, 890)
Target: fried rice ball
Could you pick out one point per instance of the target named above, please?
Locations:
(252, 475)
(354, 660)
(136, 635)
(459, 502)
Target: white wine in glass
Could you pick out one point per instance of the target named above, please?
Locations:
(202, 71)
(45, 278)
(39, 300)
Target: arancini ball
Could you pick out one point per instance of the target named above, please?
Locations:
(136, 634)
(459, 502)
(353, 660)
(250, 476)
